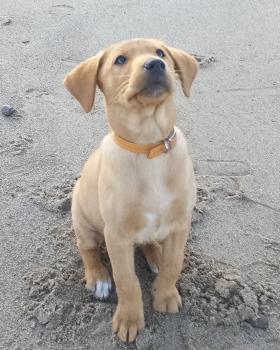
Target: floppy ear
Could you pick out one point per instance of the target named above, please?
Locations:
(81, 82)
(185, 66)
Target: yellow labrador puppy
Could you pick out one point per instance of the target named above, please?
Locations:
(138, 187)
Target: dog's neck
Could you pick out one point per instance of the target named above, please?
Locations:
(149, 124)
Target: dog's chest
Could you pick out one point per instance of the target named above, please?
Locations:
(154, 230)
(156, 202)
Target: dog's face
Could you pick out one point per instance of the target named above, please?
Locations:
(137, 72)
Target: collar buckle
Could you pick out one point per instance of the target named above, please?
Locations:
(167, 142)
(167, 145)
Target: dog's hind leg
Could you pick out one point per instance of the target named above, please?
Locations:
(96, 275)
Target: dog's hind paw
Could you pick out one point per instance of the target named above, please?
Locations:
(152, 253)
(101, 289)
(154, 268)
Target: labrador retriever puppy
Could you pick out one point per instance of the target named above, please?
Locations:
(138, 187)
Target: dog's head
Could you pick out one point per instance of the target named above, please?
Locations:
(136, 72)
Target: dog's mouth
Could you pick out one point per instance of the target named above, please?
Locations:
(155, 87)
(150, 88)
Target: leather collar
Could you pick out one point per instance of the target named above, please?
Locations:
(151, 150)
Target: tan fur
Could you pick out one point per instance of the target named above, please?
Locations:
(124, 197)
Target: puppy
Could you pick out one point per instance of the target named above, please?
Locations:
(138, 187)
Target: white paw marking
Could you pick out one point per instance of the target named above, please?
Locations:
(102, 289)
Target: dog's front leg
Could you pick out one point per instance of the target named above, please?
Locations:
(166, 295)
(128, 319)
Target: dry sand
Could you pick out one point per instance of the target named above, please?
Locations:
(230, 283)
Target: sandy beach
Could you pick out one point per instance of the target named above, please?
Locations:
(230, 284)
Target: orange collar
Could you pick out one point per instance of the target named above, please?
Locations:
(152, 149)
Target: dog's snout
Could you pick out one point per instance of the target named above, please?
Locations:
(154, 65)
(156, 80)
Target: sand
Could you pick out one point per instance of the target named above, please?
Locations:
(230, 282)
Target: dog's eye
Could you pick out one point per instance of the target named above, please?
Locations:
(160, 53)
(120, 59)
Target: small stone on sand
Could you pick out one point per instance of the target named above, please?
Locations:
(7, 110)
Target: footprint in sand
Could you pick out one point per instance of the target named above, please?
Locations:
(61, 10)
(17, 146)
(222, 167)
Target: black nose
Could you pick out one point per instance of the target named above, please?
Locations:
(154, 65)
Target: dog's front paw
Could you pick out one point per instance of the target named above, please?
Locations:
(128, 320)
(167, 300)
